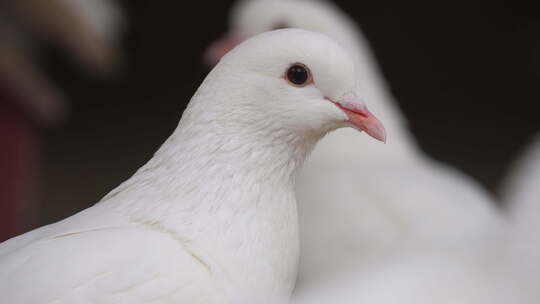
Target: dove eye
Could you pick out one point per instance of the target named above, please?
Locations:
(299, 75)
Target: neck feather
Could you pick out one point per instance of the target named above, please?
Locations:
(215, 157)
(227, 187)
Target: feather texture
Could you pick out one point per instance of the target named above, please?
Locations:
(211, 218)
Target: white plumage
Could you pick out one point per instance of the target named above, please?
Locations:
(521, 195)
(422, 275)
(359, 201)
(520, 189)
(211, 218)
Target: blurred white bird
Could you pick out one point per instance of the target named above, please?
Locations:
(86, 30)
(211, 218)
(423, 275)
(358, 201)
(521, 196)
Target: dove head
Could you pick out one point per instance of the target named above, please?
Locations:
(291, 79)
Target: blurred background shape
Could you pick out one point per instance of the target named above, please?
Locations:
(465, 74)
(88, 33)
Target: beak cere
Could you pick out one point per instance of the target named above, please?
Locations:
(219, 48)
(361, 118)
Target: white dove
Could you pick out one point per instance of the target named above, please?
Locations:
(382, 198)
(211, 218)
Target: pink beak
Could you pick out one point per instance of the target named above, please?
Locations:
(361, 118)
(219, 48)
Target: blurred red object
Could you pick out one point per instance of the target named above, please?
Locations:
(18, 162)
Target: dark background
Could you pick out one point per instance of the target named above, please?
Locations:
(466, 76)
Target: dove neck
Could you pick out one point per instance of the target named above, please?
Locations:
(230, 188)
(218, 158)
(255, 151)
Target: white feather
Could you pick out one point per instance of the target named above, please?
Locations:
(521, 195)
(422, 275)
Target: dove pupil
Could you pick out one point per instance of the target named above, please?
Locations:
(297, 74)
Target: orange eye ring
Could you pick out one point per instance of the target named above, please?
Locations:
(299, 75)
